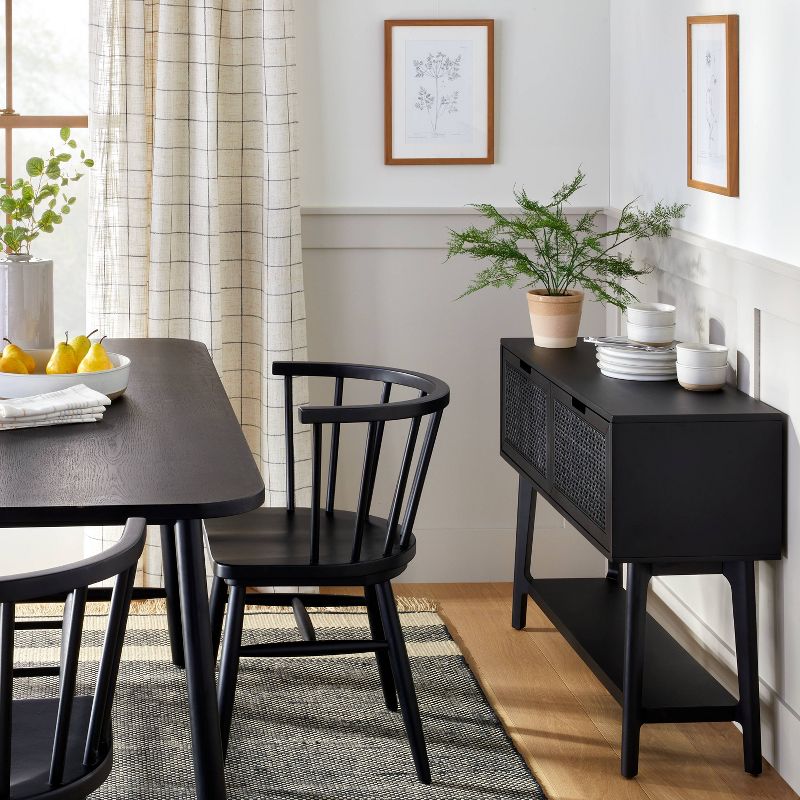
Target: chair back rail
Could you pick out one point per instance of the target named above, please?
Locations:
(74, 580)
(433, 396)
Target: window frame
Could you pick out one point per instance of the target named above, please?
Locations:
(11, 120)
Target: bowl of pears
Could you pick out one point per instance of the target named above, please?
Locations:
(78, 360)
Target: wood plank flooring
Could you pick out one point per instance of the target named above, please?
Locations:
(565, 723)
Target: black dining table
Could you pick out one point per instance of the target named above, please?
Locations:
(170, 450)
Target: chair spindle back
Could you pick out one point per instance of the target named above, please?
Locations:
(433, 397)
(74, 580)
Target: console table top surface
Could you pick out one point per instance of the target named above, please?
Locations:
(575, 371)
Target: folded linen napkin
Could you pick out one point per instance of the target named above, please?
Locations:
(91, 411)
(66, 406)
(14, 426)
(72, 398)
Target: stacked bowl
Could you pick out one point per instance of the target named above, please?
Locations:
(651, 323)
(702, 367)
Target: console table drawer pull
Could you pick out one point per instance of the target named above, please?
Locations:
(578, 406)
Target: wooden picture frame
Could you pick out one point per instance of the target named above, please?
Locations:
(437, 108)
(712, 117)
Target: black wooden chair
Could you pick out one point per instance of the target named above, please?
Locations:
(316, 546)
(60, 748)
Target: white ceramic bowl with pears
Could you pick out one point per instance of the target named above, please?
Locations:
(110, 382)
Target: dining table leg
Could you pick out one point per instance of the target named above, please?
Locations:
(209, 767)
(169, 562)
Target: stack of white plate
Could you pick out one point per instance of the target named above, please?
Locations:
(630, 364)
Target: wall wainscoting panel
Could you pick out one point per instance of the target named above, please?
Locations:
(378, 291)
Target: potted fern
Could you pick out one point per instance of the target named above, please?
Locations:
(558, 258)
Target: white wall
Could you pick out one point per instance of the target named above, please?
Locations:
(734, 274)
(551, 110)
(376, 288)
(648, 119)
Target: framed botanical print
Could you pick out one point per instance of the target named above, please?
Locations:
(439, 91)
(712, 51)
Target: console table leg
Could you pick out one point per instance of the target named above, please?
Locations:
(614, 572)
(635, 625)
(741, 576)
(526, 514)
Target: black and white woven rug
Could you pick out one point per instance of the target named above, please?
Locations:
(303, 728)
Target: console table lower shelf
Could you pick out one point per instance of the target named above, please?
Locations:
(590, 614)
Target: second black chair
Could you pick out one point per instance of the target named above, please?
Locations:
(61, 747)
(330, 547)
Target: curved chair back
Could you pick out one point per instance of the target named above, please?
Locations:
(433, 397)
(73, 580)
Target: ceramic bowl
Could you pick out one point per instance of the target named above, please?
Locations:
(702, 379)
(696, 354)
(651, 314)
(651, 334)
(110, 382)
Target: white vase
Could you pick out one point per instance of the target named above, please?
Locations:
(26, 300)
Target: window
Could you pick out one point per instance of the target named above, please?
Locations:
(45, 72)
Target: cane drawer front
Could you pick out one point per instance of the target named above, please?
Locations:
(580, 463)
(525, 417)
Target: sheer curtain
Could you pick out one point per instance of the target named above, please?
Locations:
(194, 226)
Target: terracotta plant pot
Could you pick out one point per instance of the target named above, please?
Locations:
(555, 318)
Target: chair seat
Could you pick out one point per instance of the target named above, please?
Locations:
(271, 546)
(33, 725)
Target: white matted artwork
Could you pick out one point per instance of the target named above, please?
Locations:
(713, 103)
(439, 93)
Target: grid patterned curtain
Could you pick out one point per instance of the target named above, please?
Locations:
(194, 227)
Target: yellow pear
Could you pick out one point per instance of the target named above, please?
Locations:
(63, 361)
(12, 364)
(96, 359)
(17, 352)
(81, 345)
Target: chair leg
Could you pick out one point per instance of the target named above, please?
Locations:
(382, 657)
(401, 668)
(219, 597)
(229, 667)
(170, 566)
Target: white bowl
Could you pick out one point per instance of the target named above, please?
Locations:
(651, 334)
(651, 314)
(696, 354)
(702, 379)
(110, 382)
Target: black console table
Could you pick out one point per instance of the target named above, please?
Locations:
(668, 481)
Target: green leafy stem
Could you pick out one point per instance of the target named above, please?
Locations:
(541, 247)
(40, 203)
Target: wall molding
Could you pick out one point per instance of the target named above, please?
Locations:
(391, 227)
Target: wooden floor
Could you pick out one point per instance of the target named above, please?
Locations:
(565, 723)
